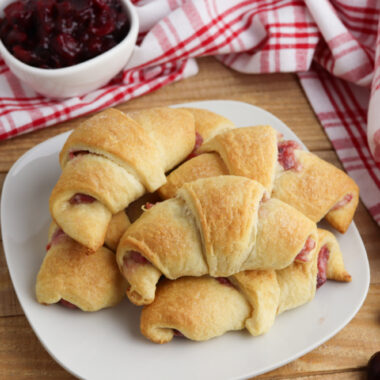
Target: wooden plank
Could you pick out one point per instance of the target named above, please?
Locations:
(345, 375)
(348, 351)
(280, 94)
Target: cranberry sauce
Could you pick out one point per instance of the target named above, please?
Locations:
(346, 199)
(56, 236)
(307, 248)
(286, 156)
(224, 281)
(134, 258)
(67, 304)
(198, 143)
(77, 153)
(59, 33)
(323, 258)
(178, 333)
(81, 198)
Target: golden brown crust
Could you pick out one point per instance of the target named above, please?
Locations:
(249, 152)
(261, 289)
(200, 308)
(89, 282)
(118, 158)
(316, 189)
(202, 166)
(226, 210)
(118, 225)
(216, 225)
(252, 152)
(171, 129)
(208, 124)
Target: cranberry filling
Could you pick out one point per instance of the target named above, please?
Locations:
(81, 198)
(286, 156)
(67, 304)
(224, 281)
(307, 248)
(148, 205)
(60, 33)
(198, 143)
(134, 258)
(346, 199)
(77, 153)
(323, 257)
(178, 333)
(54, 239)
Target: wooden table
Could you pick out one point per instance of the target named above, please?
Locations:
(342, 357)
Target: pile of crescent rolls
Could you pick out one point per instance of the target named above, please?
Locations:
(209, 227)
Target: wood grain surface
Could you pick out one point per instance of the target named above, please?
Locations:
(344, 357)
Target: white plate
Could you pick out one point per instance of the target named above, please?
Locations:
(108, 344)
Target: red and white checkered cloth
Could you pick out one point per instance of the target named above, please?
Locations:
(333, 45)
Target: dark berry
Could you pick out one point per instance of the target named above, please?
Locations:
(373, 368)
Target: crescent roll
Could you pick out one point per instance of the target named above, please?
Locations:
(112, 159)
(70, 276)
(299, 178)
(205, 307)
(218, 226)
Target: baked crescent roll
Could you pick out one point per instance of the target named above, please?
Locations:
(205, 307)
(299, 178)
(330, 259)
(217, 226)
(70, 276)
(208, 124)
(111, 160)
(118, 225)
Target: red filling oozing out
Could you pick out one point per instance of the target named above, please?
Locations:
(81, 198)
(56, 236)
(134, 258)
(76, 153)
(346, 199)
(178, 333)
(67, 304)
(198, 143)
(148, 205)
(286, 156)
(224, 281)
(323, 257)
(307, 248)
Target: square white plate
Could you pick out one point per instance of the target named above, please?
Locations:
(108, 344)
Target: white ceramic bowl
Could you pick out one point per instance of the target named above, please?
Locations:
(81, 78)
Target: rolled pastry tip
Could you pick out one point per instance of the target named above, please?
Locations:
(71, 277)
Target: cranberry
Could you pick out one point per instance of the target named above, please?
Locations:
(178, 333)
(67, 304)
(61, 33)
(304, 254)
(198, 143)
(323, 258)
(286, 156)
(373, 368)
(224, 281)
(81, 198)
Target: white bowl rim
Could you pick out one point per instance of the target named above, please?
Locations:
(49, 73)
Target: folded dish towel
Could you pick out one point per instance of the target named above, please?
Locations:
(334, 46)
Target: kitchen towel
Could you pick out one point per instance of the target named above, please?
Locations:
(332, 45)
